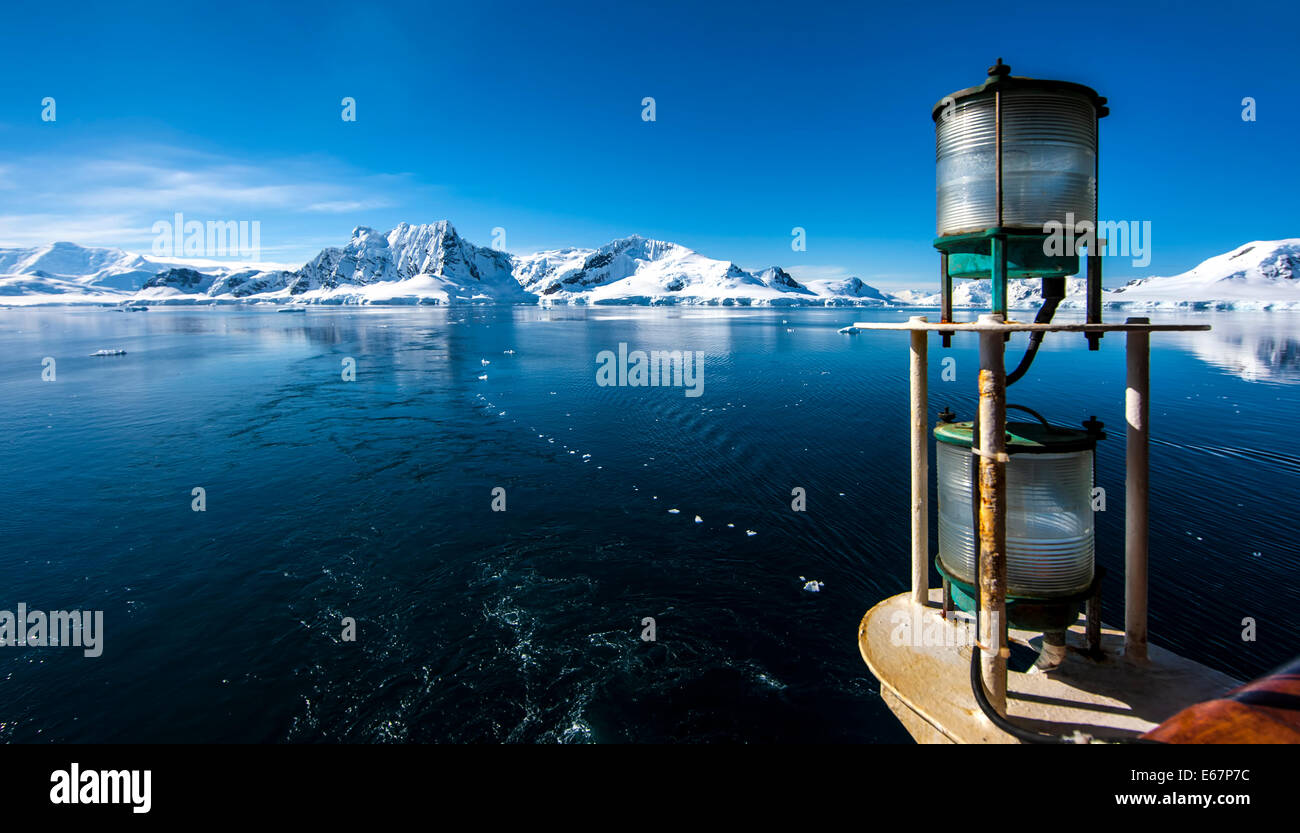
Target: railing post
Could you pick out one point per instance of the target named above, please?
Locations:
(993, 514)
(920, 423)
(1137, 412)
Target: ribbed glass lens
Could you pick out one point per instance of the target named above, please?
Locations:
(1049, 521)
(1049, 162)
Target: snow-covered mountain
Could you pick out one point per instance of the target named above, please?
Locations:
(81, 265)
(851, 291)
(407, 265)
(67, 273)
(636, 270)
(433, 264)
(1264, 274)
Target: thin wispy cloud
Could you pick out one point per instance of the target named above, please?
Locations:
(115, 197)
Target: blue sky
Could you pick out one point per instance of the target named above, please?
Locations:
(769, 116)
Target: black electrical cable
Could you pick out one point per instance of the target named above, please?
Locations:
(981, 697)
(1044, 316)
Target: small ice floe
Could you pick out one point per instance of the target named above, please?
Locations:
(509, 352)
(674, 511)
(484, 362)
(812, 586)
(849, 329)
(483, 378)
(586, 456)
(109, 353)
(698, 519)
(731, 526)
(751, 533)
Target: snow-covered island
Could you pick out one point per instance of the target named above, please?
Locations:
(433, 264)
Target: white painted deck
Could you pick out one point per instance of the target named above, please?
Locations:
(928, 687)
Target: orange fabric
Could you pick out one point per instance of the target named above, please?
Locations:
(1264, 711)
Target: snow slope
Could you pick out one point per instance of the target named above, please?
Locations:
(87, 266)
(1264, 274)
(636, 270)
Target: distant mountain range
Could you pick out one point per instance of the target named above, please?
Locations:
(433, 264)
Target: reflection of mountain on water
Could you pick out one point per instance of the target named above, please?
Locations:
(1258, 348)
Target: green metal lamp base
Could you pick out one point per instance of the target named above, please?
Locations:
(1023, 612)
(970, 256)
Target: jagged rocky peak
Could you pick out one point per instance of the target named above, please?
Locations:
(404, 252)
(776, 276)
(432, 249)
(249, 282)
(180, 278)
(578, 269)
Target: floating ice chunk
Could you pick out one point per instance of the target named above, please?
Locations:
(509, 352)
(812, 586)
(731, 526)
(674, 511)
(484, 362)
(483, 378)
(751, 533)
(698, 519)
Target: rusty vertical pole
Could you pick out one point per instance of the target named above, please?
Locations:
(920, 423)
(993, 514)
(1137, 411)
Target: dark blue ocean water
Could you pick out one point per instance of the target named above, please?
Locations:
(372, 499)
